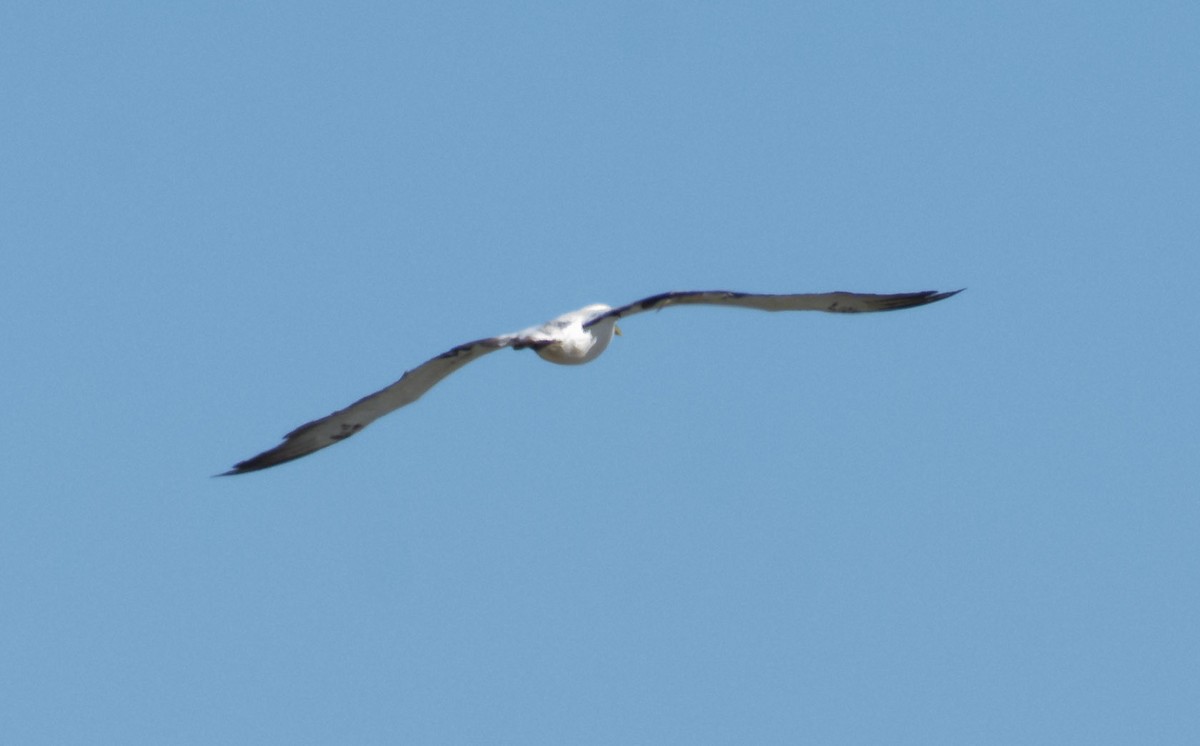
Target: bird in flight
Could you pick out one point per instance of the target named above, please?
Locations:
(571, 339)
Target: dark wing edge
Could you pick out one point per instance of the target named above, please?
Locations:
(323, 432)
(835, 302)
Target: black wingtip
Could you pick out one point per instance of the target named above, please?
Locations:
(909, 300)
(262, 461)
(943, 296)
(286, 451)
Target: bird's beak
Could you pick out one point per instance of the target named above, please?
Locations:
(617, 331)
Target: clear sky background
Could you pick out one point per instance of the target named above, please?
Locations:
(974, 522)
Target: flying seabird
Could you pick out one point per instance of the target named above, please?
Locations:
(571, 339)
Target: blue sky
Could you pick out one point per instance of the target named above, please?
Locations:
(973, 522)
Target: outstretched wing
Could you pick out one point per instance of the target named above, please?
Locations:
(343, 423)
(838, 302)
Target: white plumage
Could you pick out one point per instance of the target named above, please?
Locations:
(571, 339)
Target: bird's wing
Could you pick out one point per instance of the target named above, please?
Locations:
(343, 423)
(837, 302)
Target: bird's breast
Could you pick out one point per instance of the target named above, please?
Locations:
(574, 349)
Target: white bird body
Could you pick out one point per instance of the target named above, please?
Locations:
(571, 339)
(570, 342)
